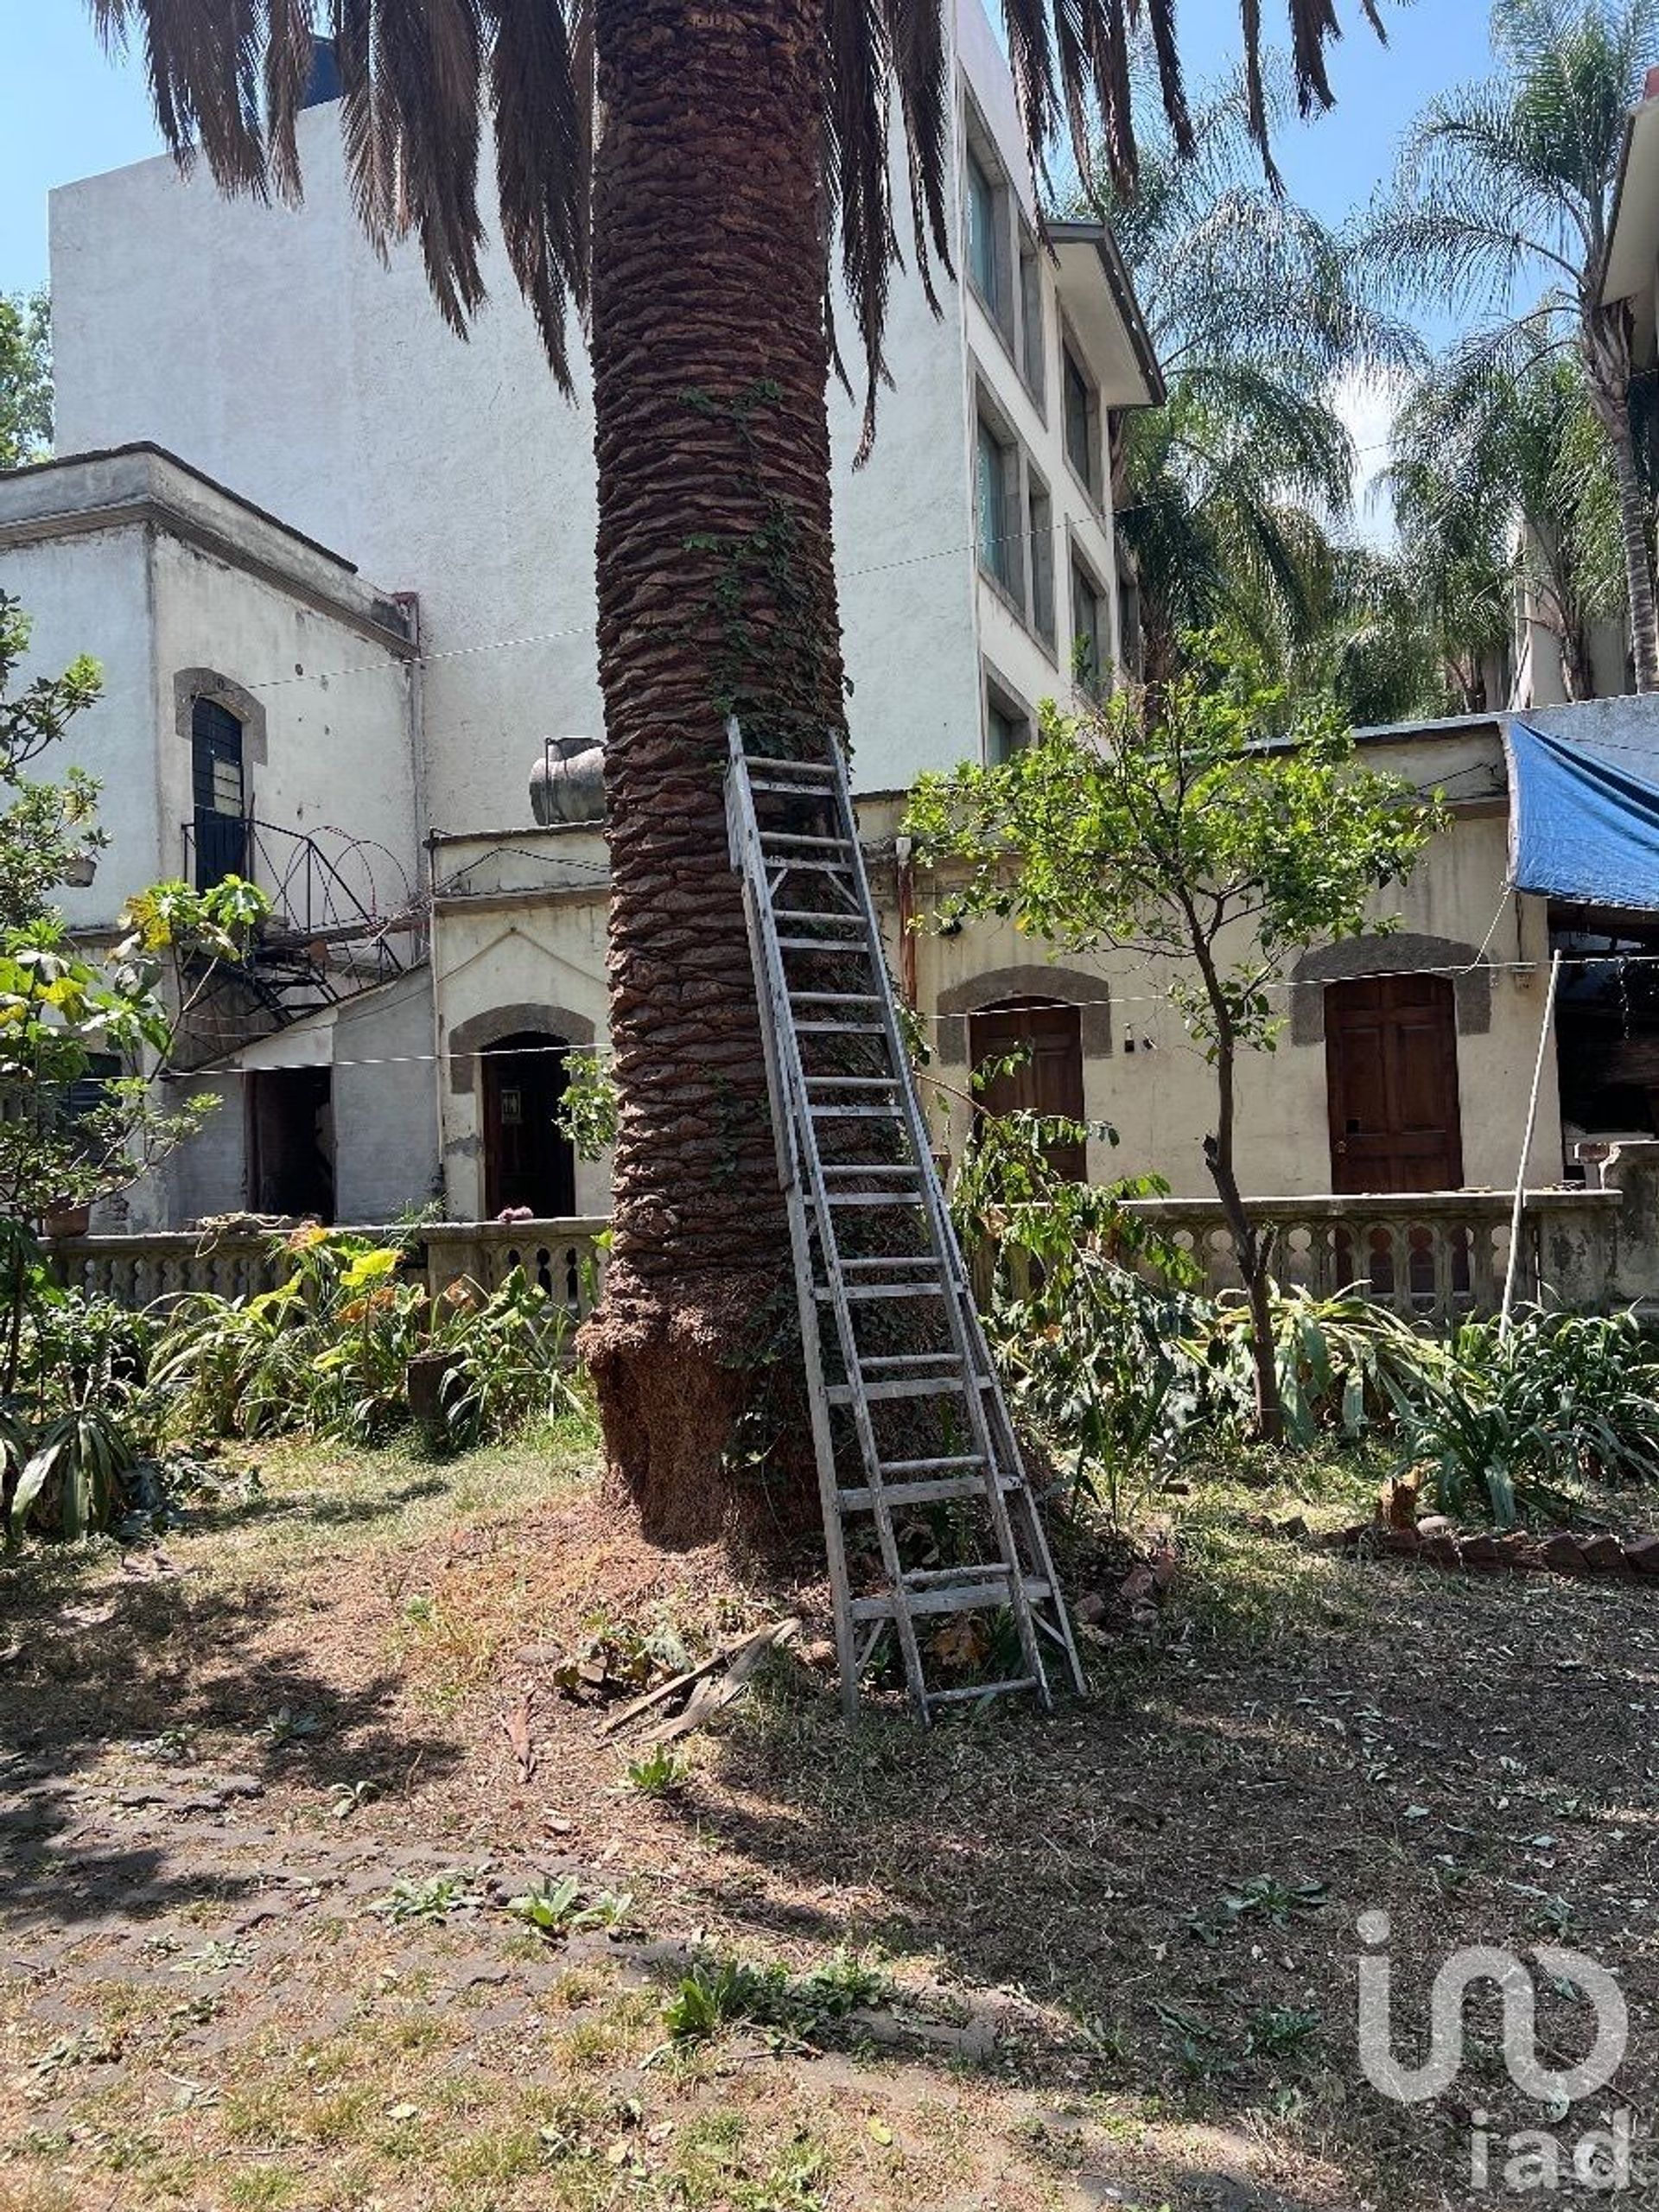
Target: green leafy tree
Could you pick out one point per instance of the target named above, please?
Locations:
(25, 377)
(680, 171)
(1175, 824)
(1508, 185)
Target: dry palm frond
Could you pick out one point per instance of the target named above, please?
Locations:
(228, 77)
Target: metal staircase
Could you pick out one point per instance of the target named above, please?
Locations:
(909, 1426)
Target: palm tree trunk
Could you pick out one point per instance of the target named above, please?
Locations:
(716, 593)
(1607, 360)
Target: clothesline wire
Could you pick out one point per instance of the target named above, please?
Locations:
(1109, 1000)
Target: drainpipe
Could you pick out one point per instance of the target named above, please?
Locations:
(435, 970)
(426, 841)
(904, 876)
(415, 716)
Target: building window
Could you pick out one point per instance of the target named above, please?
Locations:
(984, 213)
(1007, 725)
(1090, 641)
(1039, 539)
(1031, 314)
(995, 477)
(1078, 404)
(217, 793)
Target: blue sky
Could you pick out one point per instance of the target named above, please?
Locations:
(66, 111)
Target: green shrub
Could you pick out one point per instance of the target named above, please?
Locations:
(1513, 1425)
(74, 1426)
(328, 1350)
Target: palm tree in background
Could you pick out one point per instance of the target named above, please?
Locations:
(1227, 494)
(1503, 480)
(1508, 185)
(678, 173)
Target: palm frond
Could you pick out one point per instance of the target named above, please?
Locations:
(227, 79)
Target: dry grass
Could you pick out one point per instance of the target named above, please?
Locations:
(1120, 1940)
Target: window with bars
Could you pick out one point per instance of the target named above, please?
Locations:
(218, 793)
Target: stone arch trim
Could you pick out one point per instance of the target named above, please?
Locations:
(1091, 994)
(1405, 950)
(480, 1031)
(190, 684)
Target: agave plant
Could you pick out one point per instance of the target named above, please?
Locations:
(73, 1479)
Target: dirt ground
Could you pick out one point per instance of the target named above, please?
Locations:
(262, 1816)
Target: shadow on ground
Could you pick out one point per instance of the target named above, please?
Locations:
(105, 1807)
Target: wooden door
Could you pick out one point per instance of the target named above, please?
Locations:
(1049, 1079)
(1392, 1074)
(527, 1162)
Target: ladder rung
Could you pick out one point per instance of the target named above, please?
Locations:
(872, 1198)
(870, 1167)
(946, 1492)
(904, 1468)
(812, 914)
(854, 1081)
(838, 1029)
(961, 1693)
(854, 1112)
(971, 1597)
(767, 766)
(941, 1578)
(849, 950)
(792, 865)
(834, 998)
(906, 1386)
(893, 1260)
(799, 837)
(869, 1362)
(863, 1292)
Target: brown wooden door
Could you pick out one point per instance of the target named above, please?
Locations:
(1392, 1074)
(527, 1162)
(1048, 1080)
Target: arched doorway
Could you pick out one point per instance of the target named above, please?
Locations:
(1049, 1078)
(528, 1161)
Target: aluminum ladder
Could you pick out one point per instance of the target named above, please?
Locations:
(889, 1327)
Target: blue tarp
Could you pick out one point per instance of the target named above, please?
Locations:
(1584, 816)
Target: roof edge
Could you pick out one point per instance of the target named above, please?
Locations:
(1122, 286)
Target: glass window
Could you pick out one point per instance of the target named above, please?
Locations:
(1006, 729)
(998, 546)
(1039, 535)
(1091, 646)
(1079, 402)
(1031, 314)
(983, 200)
(217, 792)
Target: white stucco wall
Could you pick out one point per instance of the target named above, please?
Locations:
(272, 348)
(384, 1100)
(161, 575)
(92, 595)
(339, 761)
(518, 939)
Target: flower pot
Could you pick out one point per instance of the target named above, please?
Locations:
(67, 1221)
